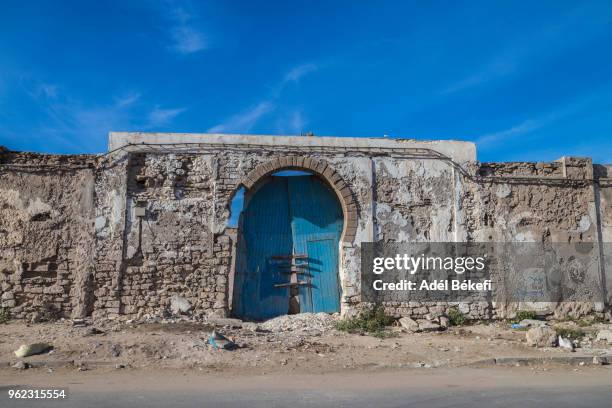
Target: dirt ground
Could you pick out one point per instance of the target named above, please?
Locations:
(185, 379)
(289, 345)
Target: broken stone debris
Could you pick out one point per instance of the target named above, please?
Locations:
(31, 349)
(179, 304)
(428, 326)
(409, 324)
(532, 323)
(115, 350)
(421, 325)
(79, 322)
(302, 321)
(541, 337)
(265, 348)
(605, 335)
(598, 360)
(250, 326)
(565, 343)
(21, 365)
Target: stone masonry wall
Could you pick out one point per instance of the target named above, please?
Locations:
(415, 202)
(603, 197)
(181, 245)
(46, 221)
(109, 232)
(122, 234)
(421, 200)
(527, 210)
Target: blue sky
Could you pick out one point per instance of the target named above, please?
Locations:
(524, 80)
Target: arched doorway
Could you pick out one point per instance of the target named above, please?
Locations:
(288, 248)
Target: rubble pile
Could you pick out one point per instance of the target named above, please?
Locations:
(300, 322)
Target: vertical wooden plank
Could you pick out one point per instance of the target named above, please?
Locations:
(267, 233)
(316, 226)
(325, 284)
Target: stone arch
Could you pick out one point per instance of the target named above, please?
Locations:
(322, 169)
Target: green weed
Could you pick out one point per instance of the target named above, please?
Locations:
(5, 315)
(372, 321)
(456, 317)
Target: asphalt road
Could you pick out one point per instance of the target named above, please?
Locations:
(464, 388)
(518, 397)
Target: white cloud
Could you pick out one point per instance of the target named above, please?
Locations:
(297, 122)
(293, 122)
(43, 90)
(82, 126)
(522, 128)
(49, 90)
(530, 125)
(244, 121)
(127, 99)
(542, 42)
(494, 70)
(161, 117)
(188, 40)
(300, 71)
(184, 34)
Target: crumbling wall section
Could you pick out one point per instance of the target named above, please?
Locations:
(535, 202)
(109, 229)
(169, 248)
(604, 200)
(46, 217)
(433, 201)
(357, 173)
(415, 201)
(603, 197)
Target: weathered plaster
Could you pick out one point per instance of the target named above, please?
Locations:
(120, 234)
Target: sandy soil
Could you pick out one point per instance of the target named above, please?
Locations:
(182, 345)
(184, 379)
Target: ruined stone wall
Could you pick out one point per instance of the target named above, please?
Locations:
(179, 244)
(124, 233)
(536, 202)
(421, 200)
(603, 201)
(170, 249)
(415, 202)
(533, 209)
(109, 232)
(46, 220)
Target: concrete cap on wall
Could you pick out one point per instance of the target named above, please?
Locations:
(457, 150)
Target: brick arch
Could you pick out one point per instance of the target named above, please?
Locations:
(323, 170)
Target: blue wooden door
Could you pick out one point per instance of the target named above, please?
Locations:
(299, 217)
(316, 226)
(266, 235)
